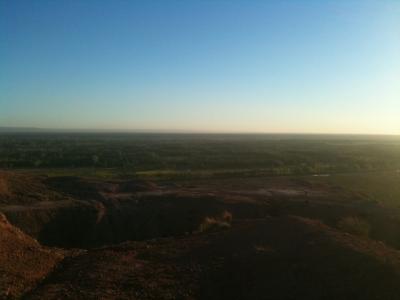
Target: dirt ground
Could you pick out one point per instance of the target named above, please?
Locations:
(78, 238)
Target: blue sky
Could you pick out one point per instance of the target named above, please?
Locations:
(208, 66)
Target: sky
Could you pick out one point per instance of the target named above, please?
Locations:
(298, 66)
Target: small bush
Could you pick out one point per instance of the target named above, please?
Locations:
(216, 223)
(354, 225)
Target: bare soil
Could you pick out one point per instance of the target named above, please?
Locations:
(79, 238)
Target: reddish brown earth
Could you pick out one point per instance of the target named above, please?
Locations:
(23, 261)
(132, 239)
(20, 188)
(272, 258)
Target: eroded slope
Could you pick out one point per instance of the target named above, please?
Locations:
(272, 258)
(23, 261)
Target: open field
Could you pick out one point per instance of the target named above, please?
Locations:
(199, 217)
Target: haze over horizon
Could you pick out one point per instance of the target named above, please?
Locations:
(201, 66)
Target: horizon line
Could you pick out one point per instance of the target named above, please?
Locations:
(32, 129)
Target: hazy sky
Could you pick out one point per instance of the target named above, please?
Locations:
(221, 66)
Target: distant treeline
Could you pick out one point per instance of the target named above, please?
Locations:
(140, 152)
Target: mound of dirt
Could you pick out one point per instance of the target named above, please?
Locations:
(272, 258)
(19, 188)
(23, 262)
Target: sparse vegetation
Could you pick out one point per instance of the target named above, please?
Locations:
(146, 193)
(216, 223)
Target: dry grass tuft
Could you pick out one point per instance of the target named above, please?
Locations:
(216, 223)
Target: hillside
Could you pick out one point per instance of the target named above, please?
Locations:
(23, 261)
(233, 238)
(273, 258)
